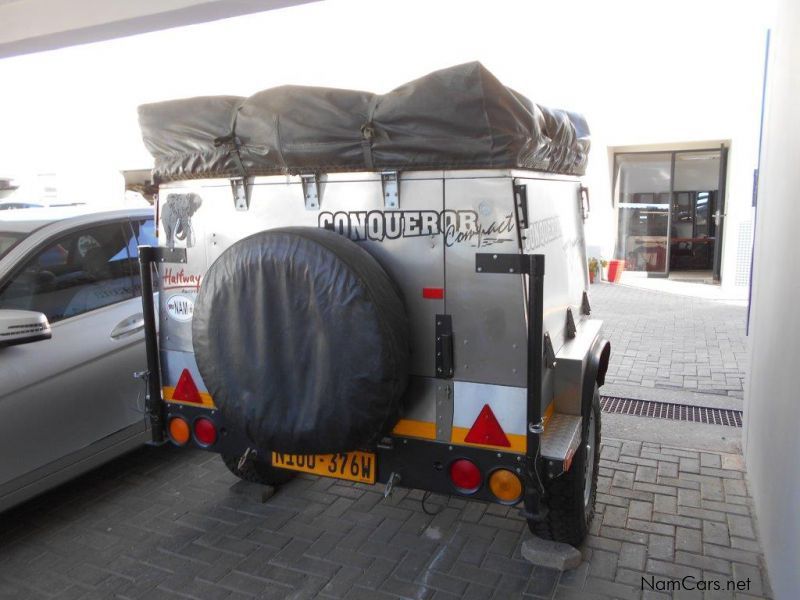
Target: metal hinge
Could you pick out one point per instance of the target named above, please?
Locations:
(390, 183)
(310, 190)
(241, 193)
(444, 346)
(521, 202)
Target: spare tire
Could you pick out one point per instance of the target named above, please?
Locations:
(303, 341)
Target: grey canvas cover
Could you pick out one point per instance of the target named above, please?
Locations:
(456, 118)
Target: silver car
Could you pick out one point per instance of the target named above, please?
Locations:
(68, 398)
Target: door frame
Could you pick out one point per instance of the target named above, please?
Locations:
(719, 213)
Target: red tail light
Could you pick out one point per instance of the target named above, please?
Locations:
(465, 475)
(205, 432)
(486, 430)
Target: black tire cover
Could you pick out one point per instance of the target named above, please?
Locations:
(303, 341)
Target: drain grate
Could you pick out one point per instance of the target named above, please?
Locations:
(668, 410)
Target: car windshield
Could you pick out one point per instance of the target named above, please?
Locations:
(9, 239)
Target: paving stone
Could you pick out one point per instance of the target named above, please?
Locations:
(612, 589)
(716, 533)
(661, 547)
(689, 465)
(664, 503)
(689, 498)
(651, 527)
(667, 469)
(615, 516)
(622, 479)
(646, 474)
(689, 540)
(710, 460)
(632, 556)
(603, 564)
(640, 510)
(707, 563)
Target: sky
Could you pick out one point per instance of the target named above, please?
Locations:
(641, 71)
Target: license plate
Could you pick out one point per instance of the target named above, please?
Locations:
(353, 466)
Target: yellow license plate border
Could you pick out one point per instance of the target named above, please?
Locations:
(324, 462)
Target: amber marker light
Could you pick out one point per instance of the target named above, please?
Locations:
(179, 431)
(505, 485)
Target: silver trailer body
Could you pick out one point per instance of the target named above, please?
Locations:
(426, 229)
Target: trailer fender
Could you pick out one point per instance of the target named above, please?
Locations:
(595, 373)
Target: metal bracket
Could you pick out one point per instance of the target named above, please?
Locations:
(311, 194)
(444, 346)
(586, 308)
(160, 254)
(584, 200)
(393, 480)
(549, 353)
(444, 411)
(571, 329)
(241, 193)
(390, 183)
(521, 202)
(507, 263)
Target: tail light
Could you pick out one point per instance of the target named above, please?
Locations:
(505, 485)
(179, 431)
(465, 475)
(205, 432)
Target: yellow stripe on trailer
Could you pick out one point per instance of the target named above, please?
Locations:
(205, 398)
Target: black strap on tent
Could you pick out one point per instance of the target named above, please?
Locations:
(368, 133)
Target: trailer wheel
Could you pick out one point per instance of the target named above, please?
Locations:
(571, 497)
(256, 471)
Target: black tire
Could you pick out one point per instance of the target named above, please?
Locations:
(570, 505)
(256, 471)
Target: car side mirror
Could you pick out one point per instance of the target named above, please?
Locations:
(22, 327)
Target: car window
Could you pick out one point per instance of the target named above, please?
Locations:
(80, 272)
(9, 239)
(144, 234)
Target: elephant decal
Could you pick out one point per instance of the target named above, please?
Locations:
(176, 217)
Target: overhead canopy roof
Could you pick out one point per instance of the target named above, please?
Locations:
(456, 118)
(37, 25)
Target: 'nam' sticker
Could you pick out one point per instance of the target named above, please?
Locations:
(180, 308)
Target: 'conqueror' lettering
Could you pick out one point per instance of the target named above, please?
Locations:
(456, 225)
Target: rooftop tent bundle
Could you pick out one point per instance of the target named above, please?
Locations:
(461, 117)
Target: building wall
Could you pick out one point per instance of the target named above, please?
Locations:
(772, 394)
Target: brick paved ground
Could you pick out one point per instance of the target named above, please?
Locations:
(669, 341)
(164, 523)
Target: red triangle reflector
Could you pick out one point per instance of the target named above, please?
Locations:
(486, 430)
(186, 390)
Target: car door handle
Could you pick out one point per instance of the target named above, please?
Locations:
(129, 326)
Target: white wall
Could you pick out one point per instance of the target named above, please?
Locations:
(772, 396)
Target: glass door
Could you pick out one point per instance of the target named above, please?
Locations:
(643, 189)
(693, 235)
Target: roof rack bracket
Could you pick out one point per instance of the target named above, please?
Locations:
(390, 183)
(240, 186)
(310, 190)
